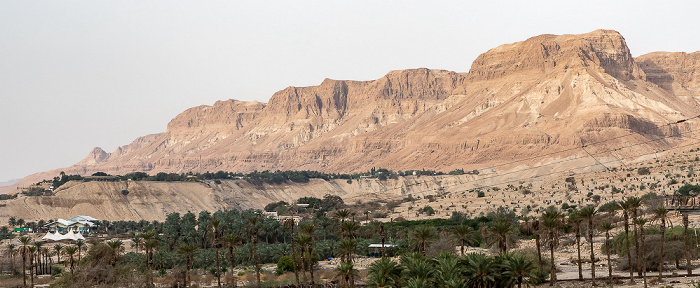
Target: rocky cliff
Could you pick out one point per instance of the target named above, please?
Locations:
(546, 94)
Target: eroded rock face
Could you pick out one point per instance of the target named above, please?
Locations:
(547, 93)
(677, 72)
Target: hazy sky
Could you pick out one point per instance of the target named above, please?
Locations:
(75, 75)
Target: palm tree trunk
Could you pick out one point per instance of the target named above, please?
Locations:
(590, 238)
(553, 269)
(644, 262)
(232, 259)
(636, 244)
(303, 267)
(462, 248)
(627, 245)
(539, 249)
(255, 256)
(294, 257)
(31, 271)
(218, 266)
(662, 229)
(311, 264)
(578, 250)
(607, 252)
(687, 245)
(24, 266)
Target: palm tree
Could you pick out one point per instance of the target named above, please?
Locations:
(626, 210)
(136, 242)
(423, 235)
(24, 250)
(31, 250)
(535, 227)
(589, 213)
(149, 243)
(58, 249)
(465, 234)
(47, 260)
(551, 221)
(607, 226)
(345, 271)
(383, 273)
(309, 230)
(114, 246)
(80, 244)
(70, 251)
(500, 232)
(37, 267)
(575, 220)
(303, 240)
(253, 231)
(215, 224)
(349, 228)
(687, 245)
(480, 270)
(188, 250)
(416, 267)
(448, 271)
(635, 205)
(661, 214)
(289, 223)
(640, 222)
(342, 215)
(232, 241)
(518, 267)
(347, 248)
(11, 250)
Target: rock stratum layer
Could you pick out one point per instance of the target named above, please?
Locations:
(524, 100)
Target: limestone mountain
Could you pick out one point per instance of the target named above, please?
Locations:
(546, 94)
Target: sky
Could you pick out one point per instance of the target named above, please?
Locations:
(75, 75)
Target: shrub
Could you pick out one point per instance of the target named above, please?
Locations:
(643, 171)
(285, 264)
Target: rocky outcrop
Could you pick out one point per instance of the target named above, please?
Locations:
(678, 73)
(545, 94)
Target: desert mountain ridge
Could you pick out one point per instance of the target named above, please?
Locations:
(547, 94)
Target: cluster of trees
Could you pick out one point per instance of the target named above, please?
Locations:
(220, 242)
(255, 177)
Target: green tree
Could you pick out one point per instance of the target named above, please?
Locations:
(215, 224)
(187, 250)
(480, 270)
(465, 234)
(383, 273)
(552, 224)
(253, 231)
(626, 207)
(661, 214)
(607, 226)
(115, 247)
(345, 271)
(11, 251)
(80, 244)
(641, 222)
(589, 213)
(31, 251)
(501, 233)
(232, 241)
(575, 220)
(25, 252)
(70, 251)
(422, 235)
(289, 223)
(518, 267)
